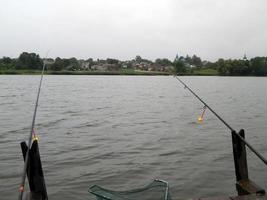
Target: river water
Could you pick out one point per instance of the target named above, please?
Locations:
(121, 132)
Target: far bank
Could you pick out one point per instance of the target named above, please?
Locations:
(203, 72)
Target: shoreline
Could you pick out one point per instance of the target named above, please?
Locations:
(116, 73)
(38, 72)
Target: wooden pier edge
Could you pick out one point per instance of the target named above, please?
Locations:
(243, 197)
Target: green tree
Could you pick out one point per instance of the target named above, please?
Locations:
(179, 67)
(58, 65)
(138, 59)
(163, 62)
(71, 64)
(188, 60)
(7, 63)
(233, 67)
(6, 60)
(112, 61)
(238, 67)
(258, 66)
(196, 61)
(29, 61)
(222, 67)
(91, 62)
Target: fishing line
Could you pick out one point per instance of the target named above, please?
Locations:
(32, 133)
(224, 122)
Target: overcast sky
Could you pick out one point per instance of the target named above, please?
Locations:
(123, 29)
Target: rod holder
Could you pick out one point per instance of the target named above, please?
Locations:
(35, 172)
(244, 185)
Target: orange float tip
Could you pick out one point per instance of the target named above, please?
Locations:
(200, 119)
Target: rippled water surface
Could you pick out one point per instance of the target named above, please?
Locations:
(121, 132)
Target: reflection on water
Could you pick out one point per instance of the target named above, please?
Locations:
(123, 131)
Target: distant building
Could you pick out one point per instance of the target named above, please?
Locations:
(142, 66)
(99, 68)
(111, 67)
(84, 64)
(105, 67)
(159, 68)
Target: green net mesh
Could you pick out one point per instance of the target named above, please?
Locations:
(157, 190)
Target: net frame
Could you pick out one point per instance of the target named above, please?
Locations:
(106, 194)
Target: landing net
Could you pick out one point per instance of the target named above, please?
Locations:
(157, 190)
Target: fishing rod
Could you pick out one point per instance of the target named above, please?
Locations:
(224, 122)
(32, 133)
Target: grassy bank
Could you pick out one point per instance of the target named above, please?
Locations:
(196, 72)
(20, 72)
(205, 72)
(121, 72)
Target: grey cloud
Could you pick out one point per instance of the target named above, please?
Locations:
(125, 28)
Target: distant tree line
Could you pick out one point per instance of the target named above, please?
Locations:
(256, 66)
(24, 61)
(187, 64)
(230, 67)
(181, 64)
(33, 61)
